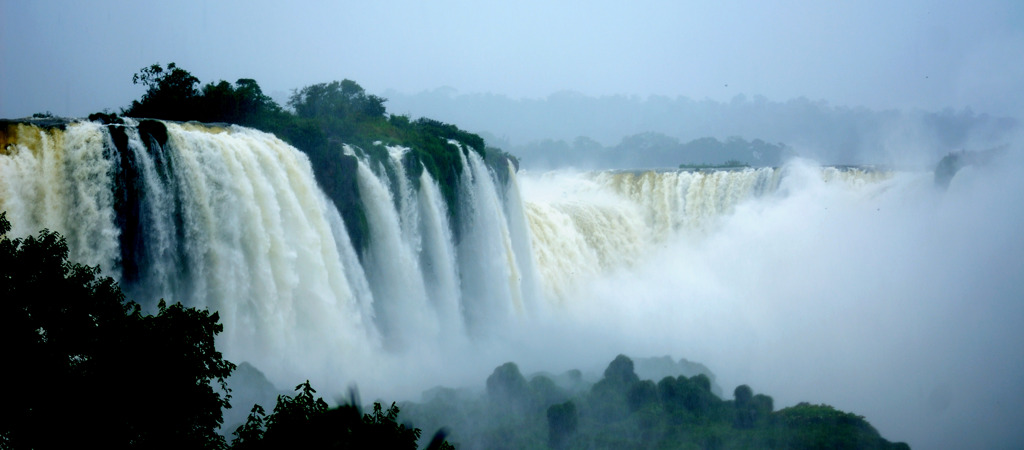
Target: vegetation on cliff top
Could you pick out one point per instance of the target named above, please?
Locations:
(323, 119)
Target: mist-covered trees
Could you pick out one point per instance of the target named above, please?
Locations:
(507, 388)
(831, 134)
(621, 410)
(336, 100)
(85, 368)
(653, 150)
(562, 422)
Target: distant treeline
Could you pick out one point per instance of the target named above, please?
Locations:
(623, 411)
(831, 134)
(649, 151)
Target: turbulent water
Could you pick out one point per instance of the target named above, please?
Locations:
(869, 290)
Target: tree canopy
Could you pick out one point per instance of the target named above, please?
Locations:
(305, 421)
(326, 116)
(85, 366)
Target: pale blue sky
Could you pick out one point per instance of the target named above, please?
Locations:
(76, 57)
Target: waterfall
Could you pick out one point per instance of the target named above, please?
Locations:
(392, 267)
(789, 277)
(231, 219)
(228, 219)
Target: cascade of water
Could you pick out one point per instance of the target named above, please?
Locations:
(438, 260)
(587, 224)
(519, 233)
(258, 245)
(408, 207)
(231, 219)
(353, 271)
(392, 268)
(491, 284)
(61, 180)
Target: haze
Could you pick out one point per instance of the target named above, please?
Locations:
(74, 58)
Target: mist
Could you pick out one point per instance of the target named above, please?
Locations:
(892, 300)
(570, 129)
(878, 293)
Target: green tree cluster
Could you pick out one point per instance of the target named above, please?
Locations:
(173, 93)
(325, 117)
(305, 421)
(86, 368)
(623, 411)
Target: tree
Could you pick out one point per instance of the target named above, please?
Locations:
(338, 99)
(750, 409)
(562, 423)
(641, 394)
(304, 421)
(507, 389)
(81, 359)
(170, 93)
(243, 104)
(620, 372)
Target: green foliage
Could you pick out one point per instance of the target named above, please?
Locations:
(250, 434)
(326, 115)
(546, 392)
(336, 100)
(174, 94)
(622, 411)
(243, 104)
(620, 371)
(641, 394)
(75, 342)
(562, 422)
(291, 414)
(749, 409)
(507, 389)
(822, 426)
(305, 421)
(170, 93)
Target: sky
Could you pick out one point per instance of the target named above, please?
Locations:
(73, 58)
